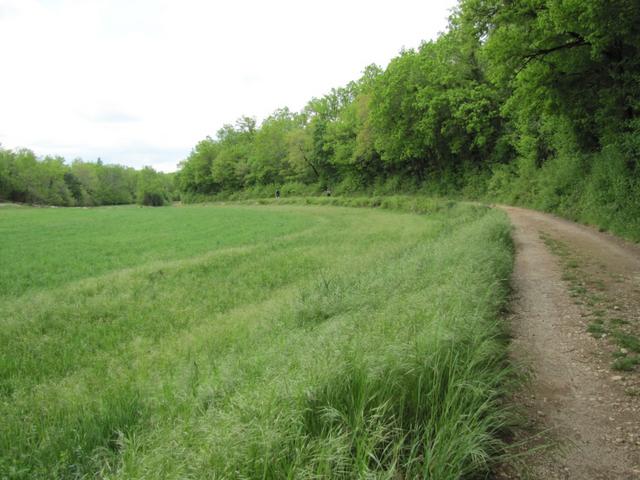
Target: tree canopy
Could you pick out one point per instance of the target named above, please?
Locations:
(529, 101)
(50, 181)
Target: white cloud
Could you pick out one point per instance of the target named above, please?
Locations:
(141, 81)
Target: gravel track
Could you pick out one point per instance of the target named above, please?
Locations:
(575, 401)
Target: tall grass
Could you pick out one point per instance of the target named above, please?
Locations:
(367, 344)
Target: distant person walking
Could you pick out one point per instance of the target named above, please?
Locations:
(277, 193)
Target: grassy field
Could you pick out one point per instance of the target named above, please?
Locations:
(240, 341)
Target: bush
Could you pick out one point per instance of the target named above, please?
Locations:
(153, 199)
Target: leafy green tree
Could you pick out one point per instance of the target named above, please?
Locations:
(231, 165)
(152, 188)
(268, 159)
(40, 182)
(87, 175)
(434, 110)
(195, 172)
(578, 59)
(352, 136)
(116, 185)
(301, 164)
(6, 178)
(51, 187)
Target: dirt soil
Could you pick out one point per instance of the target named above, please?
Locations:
(575, 400)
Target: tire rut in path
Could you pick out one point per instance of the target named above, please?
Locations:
(574, 396)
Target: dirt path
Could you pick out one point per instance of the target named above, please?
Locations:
(575, 397)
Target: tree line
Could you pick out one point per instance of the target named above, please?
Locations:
(533, 102)
(28, 179)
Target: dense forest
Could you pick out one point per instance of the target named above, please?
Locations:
(531, 102)
(50, 181)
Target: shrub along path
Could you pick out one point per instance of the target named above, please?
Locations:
(576, 324)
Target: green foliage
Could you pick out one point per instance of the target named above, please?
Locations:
(570, 74)
(434, 110)
(153, 188)
(195, 172)
(626, 364)
(530, 102)
(25, 178)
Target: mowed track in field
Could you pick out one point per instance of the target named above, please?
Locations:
(575, 399)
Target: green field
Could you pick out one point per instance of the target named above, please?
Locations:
(249, 341)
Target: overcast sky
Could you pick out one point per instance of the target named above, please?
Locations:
(139, 82)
